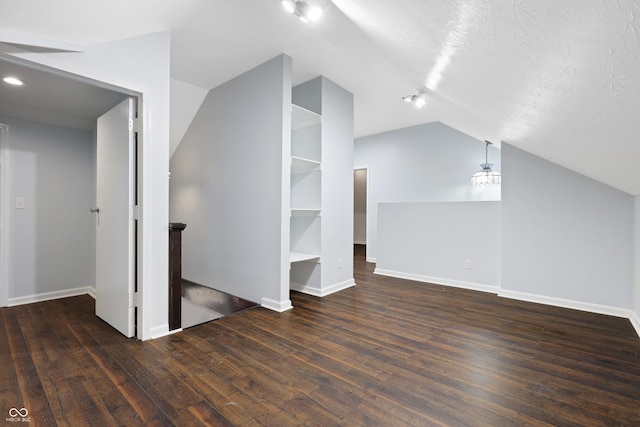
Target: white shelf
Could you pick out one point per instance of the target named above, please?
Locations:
(301, 117)
(298, 256)
(301, 165)
(305, 212)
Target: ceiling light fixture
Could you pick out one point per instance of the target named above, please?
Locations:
(13, 81)
(419, 99)
(486, 176)
(303, 10)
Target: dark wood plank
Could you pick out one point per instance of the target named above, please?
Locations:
(10, 389)
(25, 389)
(388, 352)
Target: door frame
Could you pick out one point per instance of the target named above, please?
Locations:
(366, 168)
(71, 71)
(4, 212)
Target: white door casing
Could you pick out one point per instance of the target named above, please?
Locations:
(115, 223)
(4, 220)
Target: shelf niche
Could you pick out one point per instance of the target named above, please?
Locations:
(320, 188)
(306, 155)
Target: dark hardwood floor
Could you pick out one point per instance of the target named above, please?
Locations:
(387, 352)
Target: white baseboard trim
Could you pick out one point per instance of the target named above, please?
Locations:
(47, 296)
(323, 292)
(635, 322)
(523, 296)
(371, 259)
(439, 281)
(564, 303)
(279, 306)
(162, 331)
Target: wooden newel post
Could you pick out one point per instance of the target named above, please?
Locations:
(175, 275)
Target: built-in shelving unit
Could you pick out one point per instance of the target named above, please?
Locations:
(306, 209)
(317, 203)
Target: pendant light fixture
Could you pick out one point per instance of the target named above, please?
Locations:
(486, 176)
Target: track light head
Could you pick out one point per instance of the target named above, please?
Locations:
(419, 99)
(303, 10)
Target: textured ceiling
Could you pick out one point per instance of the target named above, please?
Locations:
(560, 79)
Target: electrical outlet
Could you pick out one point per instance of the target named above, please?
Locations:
(19, 202)
(467, 263)
(339, 262)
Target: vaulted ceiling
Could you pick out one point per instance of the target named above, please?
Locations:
(560, 79)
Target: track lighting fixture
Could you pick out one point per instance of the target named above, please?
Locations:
(303, 10)
(419, 99)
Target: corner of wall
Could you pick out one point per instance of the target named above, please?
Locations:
(635, 322)
(279, 306)
(48, 296)
(186, 100)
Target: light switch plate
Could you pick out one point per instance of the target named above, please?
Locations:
(19, 202)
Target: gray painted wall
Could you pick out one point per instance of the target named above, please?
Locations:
(227, 183)
(565, 237)
(425, 163)
(52, 240)
(450, 243)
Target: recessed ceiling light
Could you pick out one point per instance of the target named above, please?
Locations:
(13, 81)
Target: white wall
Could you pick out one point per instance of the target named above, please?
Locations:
(566, 239)
(455, 243)
(227, 182)
(51, 241)
(140, 66)
(635, 320)
(425, 163)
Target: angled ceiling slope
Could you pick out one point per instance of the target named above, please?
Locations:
(558, 79)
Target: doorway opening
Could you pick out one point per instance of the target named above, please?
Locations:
(88, 98)
(360, 206)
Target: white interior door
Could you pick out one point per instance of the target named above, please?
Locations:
(115, 199)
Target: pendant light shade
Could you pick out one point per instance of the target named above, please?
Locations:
(486, 176)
